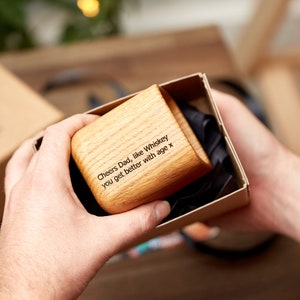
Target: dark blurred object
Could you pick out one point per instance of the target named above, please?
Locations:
(79, 90)
(239, 90)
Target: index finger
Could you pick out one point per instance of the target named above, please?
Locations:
(57, 139)
(17, 165)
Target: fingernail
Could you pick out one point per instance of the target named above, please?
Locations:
(162, 209)
(213, 233)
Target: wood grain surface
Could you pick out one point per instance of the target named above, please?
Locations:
(140, 151)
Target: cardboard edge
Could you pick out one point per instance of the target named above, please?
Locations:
(234, 200)
(231, 201)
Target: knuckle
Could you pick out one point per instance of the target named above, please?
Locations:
(146, 220)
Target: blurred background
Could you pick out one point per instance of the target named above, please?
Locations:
(37, 23)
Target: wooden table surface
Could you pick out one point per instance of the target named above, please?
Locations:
(70, 76)
(184, 273)
(130, 63)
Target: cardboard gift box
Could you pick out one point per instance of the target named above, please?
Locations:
(99, 153)
(23, 113)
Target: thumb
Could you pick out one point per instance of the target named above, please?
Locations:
(119, 231)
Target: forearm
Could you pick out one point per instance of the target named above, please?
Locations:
(19, 279)
(284, 190)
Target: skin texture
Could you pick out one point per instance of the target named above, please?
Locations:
(49, 245)
(273, 172)
(52, 247)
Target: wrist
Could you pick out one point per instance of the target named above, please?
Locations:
(285, 191)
